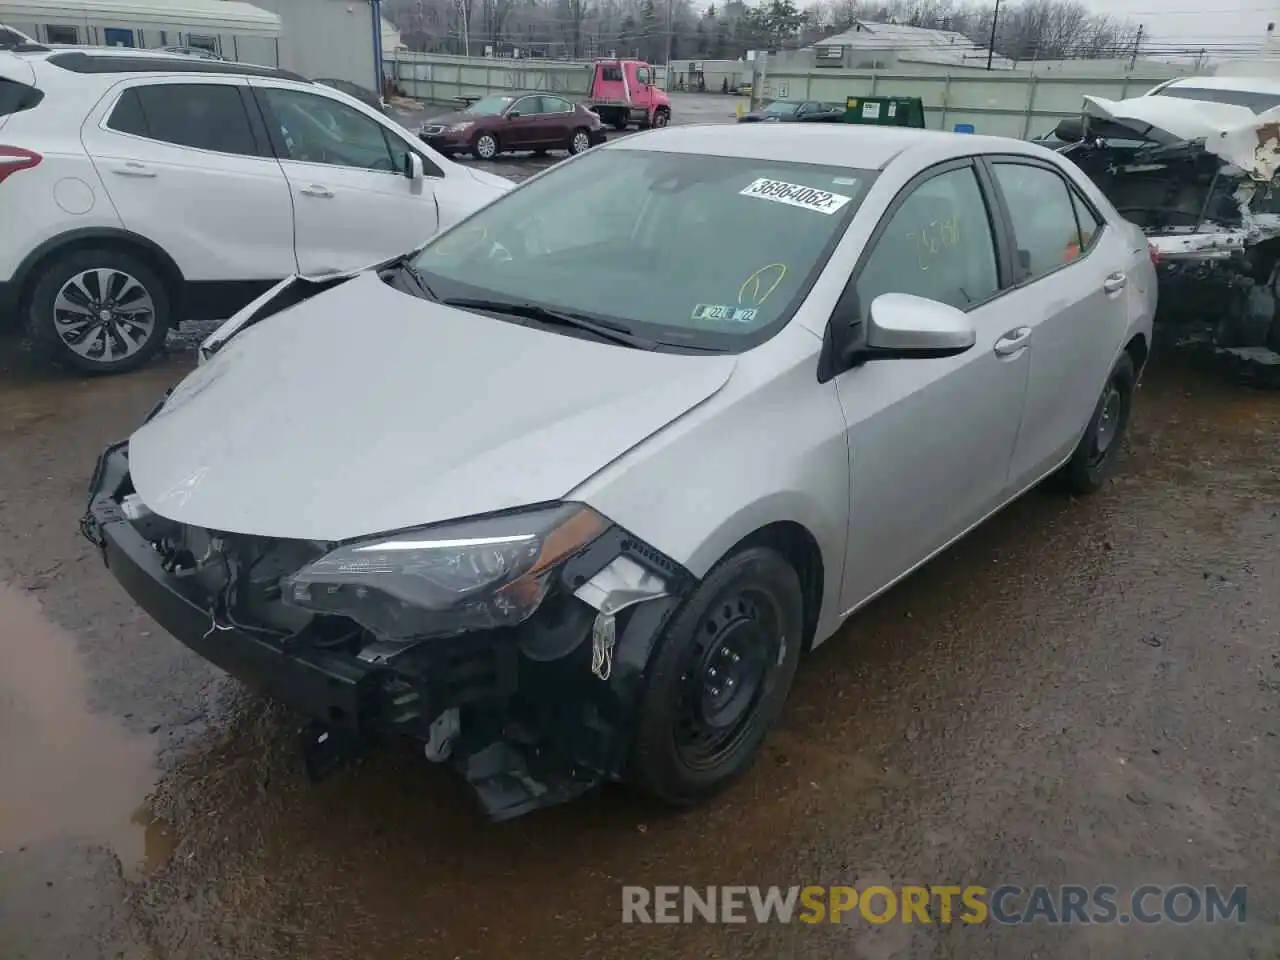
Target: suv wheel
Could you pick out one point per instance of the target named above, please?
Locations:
(719, 678)
(98, 311)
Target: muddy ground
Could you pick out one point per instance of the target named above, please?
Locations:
(1084, 691)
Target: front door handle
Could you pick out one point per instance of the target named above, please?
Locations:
(1115, 283)
(133, 169)
(1013, 341)
(315, 190)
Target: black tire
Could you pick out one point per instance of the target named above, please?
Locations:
(42, 325)
(579, 141)
(620, 123)
(752, 599)
(1096, 455)
(661, 117)
(477, 145)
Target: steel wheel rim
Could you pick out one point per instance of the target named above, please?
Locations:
(580, 142)
(728, 669)
(486, 147)
(1108, 422)
(104, 315)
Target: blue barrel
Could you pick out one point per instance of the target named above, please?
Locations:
(964, 128)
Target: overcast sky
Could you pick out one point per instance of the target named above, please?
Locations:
(1220, 23)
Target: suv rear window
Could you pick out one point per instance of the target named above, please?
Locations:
(16, 97)
(1253, 100)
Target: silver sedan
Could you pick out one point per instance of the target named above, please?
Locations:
(565, 493)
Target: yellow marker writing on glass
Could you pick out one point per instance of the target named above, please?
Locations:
(757, 287)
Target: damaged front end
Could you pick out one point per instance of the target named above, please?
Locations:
(512, 646)
(1201, 182)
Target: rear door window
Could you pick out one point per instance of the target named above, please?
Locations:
(205, 116)
(1043, 211)
(16, 97)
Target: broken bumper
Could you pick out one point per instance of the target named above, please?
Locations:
(331, 689)
(535, 720)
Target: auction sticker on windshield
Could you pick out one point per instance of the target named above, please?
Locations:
(795, 195)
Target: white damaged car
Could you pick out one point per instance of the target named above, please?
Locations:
(565, 494)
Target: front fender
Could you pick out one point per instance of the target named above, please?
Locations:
(770, 447)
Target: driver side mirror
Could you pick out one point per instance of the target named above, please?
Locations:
(413, 167)
(903, 326)
(513, 115)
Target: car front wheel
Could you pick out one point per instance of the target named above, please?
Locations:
(1096, 455)
(719, 678)
(99, 311)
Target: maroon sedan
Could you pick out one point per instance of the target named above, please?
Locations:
(521, 121)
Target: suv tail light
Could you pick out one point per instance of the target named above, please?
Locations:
(13, 159)
(1154, 253)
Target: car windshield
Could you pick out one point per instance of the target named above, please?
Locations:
(781, 108)
(489, 106)
(693, 251)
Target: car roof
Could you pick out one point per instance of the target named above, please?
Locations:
(1247, 84)
(837, 145)
(118, 61)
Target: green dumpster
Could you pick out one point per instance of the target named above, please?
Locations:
(885, 111)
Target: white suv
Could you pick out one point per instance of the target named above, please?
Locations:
(139, 189)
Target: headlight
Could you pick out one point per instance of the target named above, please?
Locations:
(446, 579)
(460, 127)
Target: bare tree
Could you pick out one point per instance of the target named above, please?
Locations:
(1026, 29)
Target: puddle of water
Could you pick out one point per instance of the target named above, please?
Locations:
(67, 771)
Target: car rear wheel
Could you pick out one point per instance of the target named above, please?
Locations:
(579, 141)
(719, 678)
(485, 146)
(1096, 455)
(98, 311)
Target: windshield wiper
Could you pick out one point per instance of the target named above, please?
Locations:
(613, 332)
(416, 278)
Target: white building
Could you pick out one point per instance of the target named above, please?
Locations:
(316, 38)
(886, 46)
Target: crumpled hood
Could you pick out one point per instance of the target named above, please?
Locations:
(365, 410)
(1236, 134)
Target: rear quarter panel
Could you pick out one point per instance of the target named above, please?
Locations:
(60, 194)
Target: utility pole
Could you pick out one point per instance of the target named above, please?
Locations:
(462, 15)
(667, 84)
(1137, 42)
(995, 18)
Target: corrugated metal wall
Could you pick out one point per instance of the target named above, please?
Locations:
(1012, 103)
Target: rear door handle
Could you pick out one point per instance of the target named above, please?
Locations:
(315, 190)
(134, 169)
(1115, 283)
(1013, 341)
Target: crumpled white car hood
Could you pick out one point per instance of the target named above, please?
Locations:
(1236, 134)
(365, 409)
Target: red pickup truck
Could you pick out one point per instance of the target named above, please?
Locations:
(623, 93)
